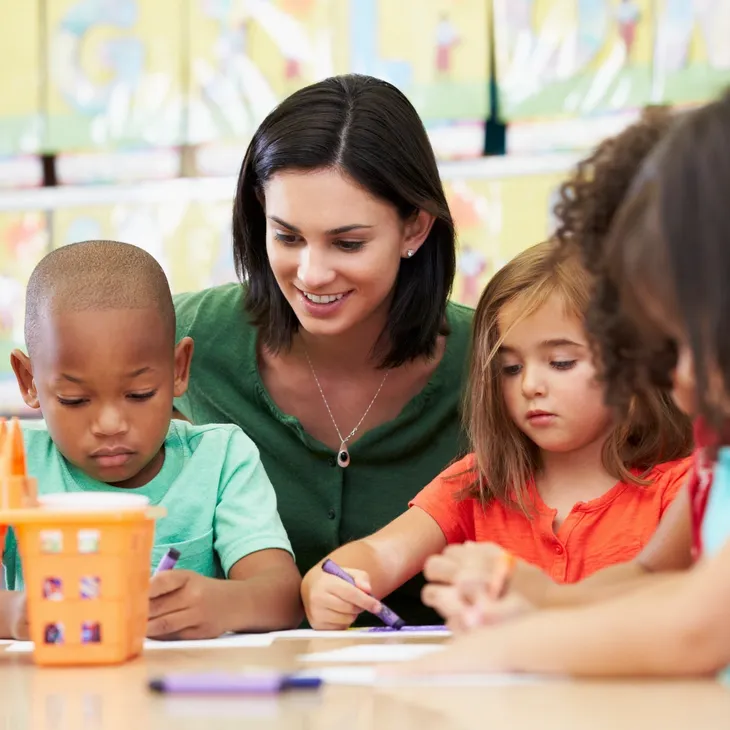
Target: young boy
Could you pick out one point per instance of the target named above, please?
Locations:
(103, 368)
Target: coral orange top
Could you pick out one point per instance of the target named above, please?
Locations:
(605, 531)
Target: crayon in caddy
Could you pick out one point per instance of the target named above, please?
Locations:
(86, 563)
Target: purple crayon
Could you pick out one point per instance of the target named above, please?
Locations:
(382, 629)
(388, 617)
(219, 683)
(168, 560)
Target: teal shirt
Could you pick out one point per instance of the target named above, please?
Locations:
(220, 503)
(322, 505)
(716, 520)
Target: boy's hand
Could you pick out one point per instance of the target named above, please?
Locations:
(19, 628)
(184, 605)
(332, 603)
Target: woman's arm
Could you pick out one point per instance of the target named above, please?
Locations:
(379, 564)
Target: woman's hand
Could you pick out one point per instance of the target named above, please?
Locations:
(332, 603)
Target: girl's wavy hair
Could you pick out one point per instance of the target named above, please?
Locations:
(630, 353)
(670, 249)
(506, 460)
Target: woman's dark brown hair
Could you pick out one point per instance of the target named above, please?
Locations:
(652, 431)
(369, 130)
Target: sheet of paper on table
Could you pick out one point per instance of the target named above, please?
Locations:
(229, 641)
(367, 676)
(372, 633)
(373, 653)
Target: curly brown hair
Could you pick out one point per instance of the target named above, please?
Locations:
(630, 356)
(668, 251)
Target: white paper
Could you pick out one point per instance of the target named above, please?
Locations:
(361, 676)
(373, 653)
(361, 634)
(367, 676)
(229, 641)
(20, 647)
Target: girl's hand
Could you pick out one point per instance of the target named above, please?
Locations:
(476, 561)
(469, 606)
(461, 577)
(332, 603)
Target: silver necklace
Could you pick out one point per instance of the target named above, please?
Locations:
(343, 455)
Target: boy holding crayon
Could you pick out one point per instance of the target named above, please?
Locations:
(103, 369)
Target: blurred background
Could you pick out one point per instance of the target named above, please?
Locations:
(128, 119)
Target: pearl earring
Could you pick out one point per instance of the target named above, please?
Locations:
(409, 253)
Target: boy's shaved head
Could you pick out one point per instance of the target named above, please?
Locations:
(96, 275)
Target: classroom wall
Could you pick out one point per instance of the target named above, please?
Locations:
(132, 91)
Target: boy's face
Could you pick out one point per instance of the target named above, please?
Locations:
(104, 381)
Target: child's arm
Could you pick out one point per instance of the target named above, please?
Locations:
(379, 563)
(670, 549)
(262, 590)
(458, 572)
(13, 616)
(261, 594)
(676, 626)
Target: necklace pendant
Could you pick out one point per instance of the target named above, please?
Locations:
(343, 456)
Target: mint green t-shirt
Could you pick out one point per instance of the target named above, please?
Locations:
(322, 505)
(220, 503)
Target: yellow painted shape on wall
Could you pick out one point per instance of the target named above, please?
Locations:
(496, 220)
(20, 68)
(408, 31)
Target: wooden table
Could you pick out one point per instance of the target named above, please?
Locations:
(112, 698)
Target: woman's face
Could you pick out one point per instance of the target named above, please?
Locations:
(334, 248)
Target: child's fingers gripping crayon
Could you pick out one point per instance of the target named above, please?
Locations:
(387, 616)
(168, 561)
(502, 574)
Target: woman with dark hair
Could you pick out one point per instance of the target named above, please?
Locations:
(339, 354)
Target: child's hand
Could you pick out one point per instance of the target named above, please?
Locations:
(332, 603)
(19, 628)
(475, 561)
(184, 605)
(460, 580)
(478, 562)
(469, 606)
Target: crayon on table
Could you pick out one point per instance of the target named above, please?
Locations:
(236, 684)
